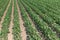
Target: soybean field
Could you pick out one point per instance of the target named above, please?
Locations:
(29, 19)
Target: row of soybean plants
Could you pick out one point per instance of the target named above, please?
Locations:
(50, 7)
(32, 33)
(54, 25)
(46, 11)
(53, 3)
(46, 30)
(16, 26)
(46, 18)
(6, 23)
(3, 5)
(53, 13)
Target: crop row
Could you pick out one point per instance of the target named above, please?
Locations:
(3, 5)
(46, 18)
(55, 3)
(32, 33)
(16, 27)
(49, 7)
(40, 23)
(51, 3)
(45, 9)
(5, 24)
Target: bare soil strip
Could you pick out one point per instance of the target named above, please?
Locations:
(10, 35)
(4, 15)
(23, 31)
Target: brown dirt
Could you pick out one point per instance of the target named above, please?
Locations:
(4, 15)
(23, 31)
(10, 35)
